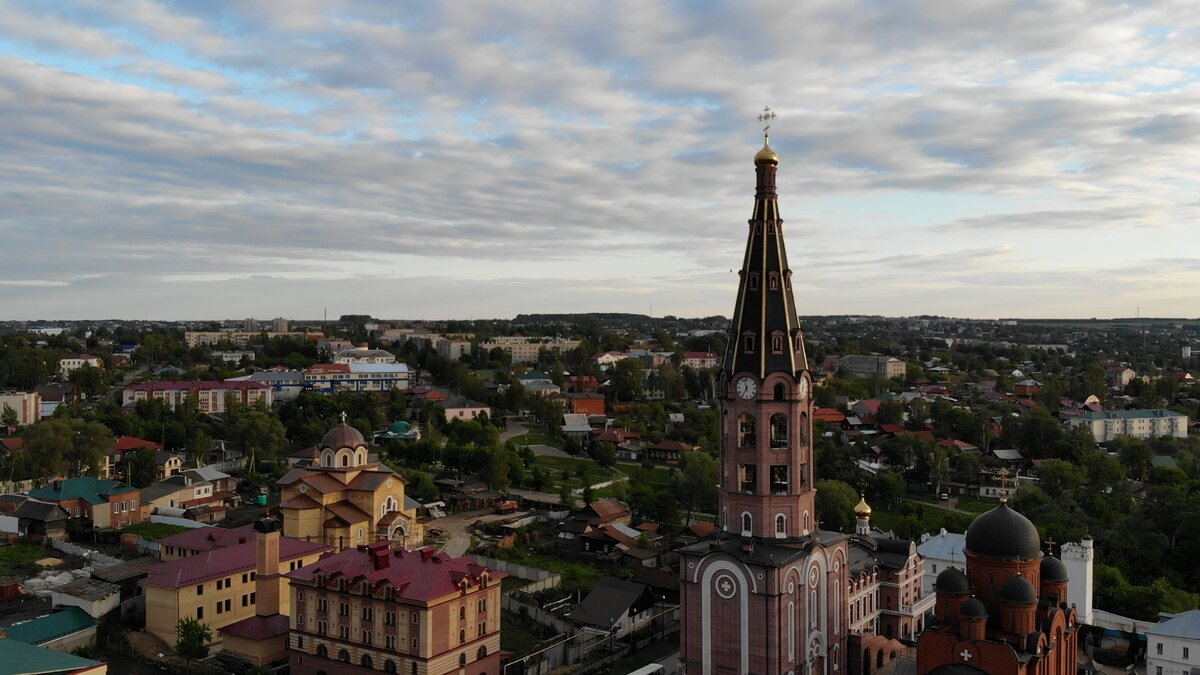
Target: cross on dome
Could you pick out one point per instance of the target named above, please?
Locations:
(343, 417)
(765, 117)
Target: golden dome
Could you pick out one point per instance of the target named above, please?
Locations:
(766, 155)
(863, 509)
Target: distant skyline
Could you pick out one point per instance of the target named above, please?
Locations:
(194, 160)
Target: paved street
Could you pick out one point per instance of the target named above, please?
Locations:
(512, 429)
(458, 538)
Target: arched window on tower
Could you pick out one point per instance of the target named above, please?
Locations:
(779, 431)
(346, 460)
(752, 281)
(780, 391)
(748, 343)
(777, 343)
(780, 525)
(804, 428)
(747, 525)
(773, 281)
(747, 438)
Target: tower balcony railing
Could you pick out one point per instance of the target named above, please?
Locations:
(779, 488)
(747, 487)
(779, 444)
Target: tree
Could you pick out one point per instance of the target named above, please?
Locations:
(142, 468)
(495, 468)
(627, 377)
(890, 412)
(835, 504)
(260, 434)
(9, 417)
(697, 482)
(191, 640)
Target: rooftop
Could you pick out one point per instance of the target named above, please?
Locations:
(223, 561)
(19, 657)
(67, 622)
(421, 575)
(91, 490)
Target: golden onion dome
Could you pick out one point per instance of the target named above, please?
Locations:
(766, 155)
(863, 509)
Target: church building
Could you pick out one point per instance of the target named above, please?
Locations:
(1009, 613)
(769, 595)
(347, 498)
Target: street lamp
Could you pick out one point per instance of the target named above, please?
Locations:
(612, 631)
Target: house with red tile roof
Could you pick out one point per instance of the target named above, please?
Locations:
(382, 608)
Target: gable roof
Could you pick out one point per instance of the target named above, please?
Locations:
(21, 657)
(1184, 625)
(424, 574)
(223, 561)
(610, 600)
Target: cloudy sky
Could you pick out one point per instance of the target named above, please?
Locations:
(230, 159)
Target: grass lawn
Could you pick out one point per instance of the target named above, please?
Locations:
(557, 465)
(17, 559)
(574, 575)
(537, 438)
(519, 635)
(658, 475)
(154, 531)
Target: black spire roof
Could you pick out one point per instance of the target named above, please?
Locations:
(765, 334)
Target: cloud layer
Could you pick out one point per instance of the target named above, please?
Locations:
(457, 159)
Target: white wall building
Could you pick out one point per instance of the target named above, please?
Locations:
(940, 551)
(525, 349)
(1173, 646)
(364, 355)
(69, 364)
(28, 406)
(1078, 559)
(1107, 425)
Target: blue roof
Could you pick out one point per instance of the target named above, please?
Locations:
(18, 657)
(47, 628)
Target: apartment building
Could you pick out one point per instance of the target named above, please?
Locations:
(1107, 425)
(69, 364)
(217, 586)
(381, 608)
(210, 395)
(238, 337)
(525, 349)
(357, 376)
(873, 365)
(27, 405)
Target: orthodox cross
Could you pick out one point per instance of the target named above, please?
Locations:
(1005, 484)
(343, 417)
(765, 117)
(1050, 545)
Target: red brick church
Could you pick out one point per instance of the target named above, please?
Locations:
(775, 594)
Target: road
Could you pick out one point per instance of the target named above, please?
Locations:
(512, 429)
(458, 538)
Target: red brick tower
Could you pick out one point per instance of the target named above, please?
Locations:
(769, 595)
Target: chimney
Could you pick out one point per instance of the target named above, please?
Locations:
(380, 558)
(266, 573)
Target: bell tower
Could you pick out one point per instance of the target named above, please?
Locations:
(765, 387)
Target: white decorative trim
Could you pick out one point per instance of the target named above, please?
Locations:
(736, 574)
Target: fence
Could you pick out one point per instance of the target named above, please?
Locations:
(539, 579)
(97, 559)
(182, 522)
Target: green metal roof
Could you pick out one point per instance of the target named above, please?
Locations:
(92, 490)
(47, 628)
(19, 658)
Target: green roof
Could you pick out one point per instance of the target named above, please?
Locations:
(47, 628)
(92, 490)
(19, 658)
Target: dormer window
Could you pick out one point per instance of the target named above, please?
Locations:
(777, 343)
(752, 281)
(773, 281)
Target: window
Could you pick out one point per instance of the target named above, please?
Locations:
(1185, 652)
(343, 656)
(748, 343)
(344, 632)
(389, 618)
(776, 344)
(752, 281)
(300, 620)
(321, 627)
(322, 651)
(462, 659)
(367, 635)
(343, 609)
(746, 431)
(219, 607)
(200, 589)
(414, 617)
(322, 605)
(773, 281)
(462, 612)
(748, 478)
(1158, 649)
(481, 628)
(390, 641)
(780, 525)
(747, 525)
(462, 636)
(245, 578)
(414, 643)
(482, 653)
(1157, 670)
(199, 612)
(367, 662)
(389, 666)
(482, 604)
(300, 596)
(779, 479)
(779, 431)
(228, 605)
(252, 597)
(368, 614)
(245, 599)
(299, 642)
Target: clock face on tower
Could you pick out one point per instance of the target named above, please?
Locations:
(802, 388)
(746, 388)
